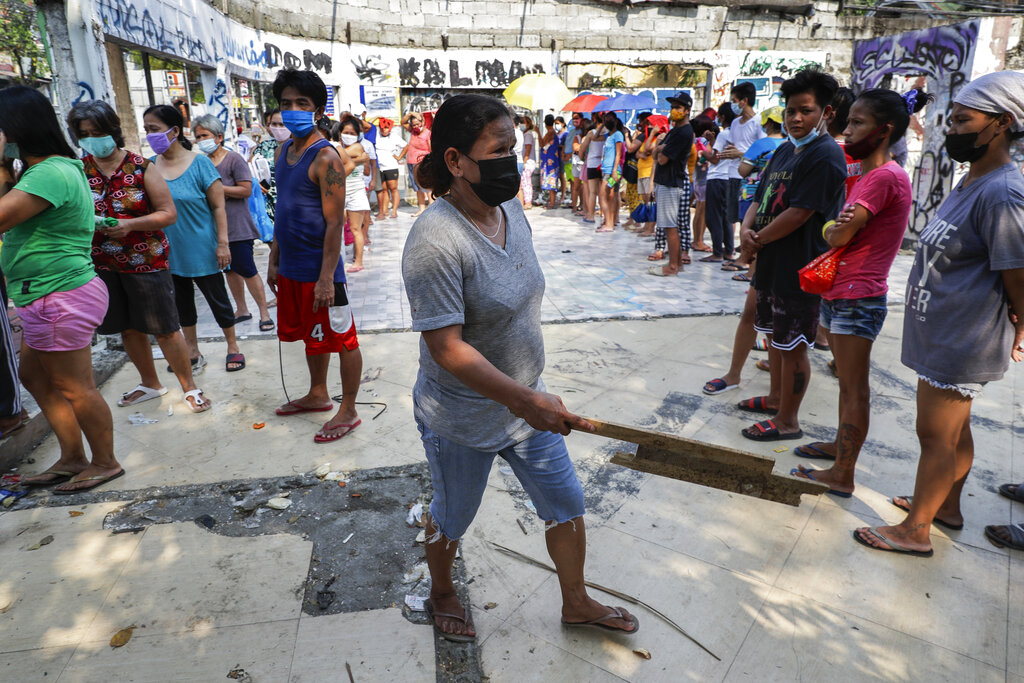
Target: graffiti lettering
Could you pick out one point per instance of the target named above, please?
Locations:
(122, 19)
(759, 64)
(455, 79)
(370, 68)
(944, 55)
(316, 62)
(491, 73)
(85, 92)
(432, 74)
(219, 101)
(407, 69)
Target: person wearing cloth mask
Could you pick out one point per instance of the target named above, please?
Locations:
(267, 148)
(745, 130)
(46, 217)
(306, 270)
(802, 188)
(964, 317)
(236, 178)
(853, 310)
(413, 153)
(475, 288)
(131, 256)
(199, 237)
(357, 206)
(389, 147)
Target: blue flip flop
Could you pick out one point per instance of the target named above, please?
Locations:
(811, 452)
(809, 474)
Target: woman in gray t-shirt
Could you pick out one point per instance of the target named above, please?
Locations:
(475, 289)
(967, 279)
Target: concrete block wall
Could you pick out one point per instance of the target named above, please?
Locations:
(570, 24)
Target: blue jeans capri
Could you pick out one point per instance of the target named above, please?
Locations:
(855, 317)
(459, 477)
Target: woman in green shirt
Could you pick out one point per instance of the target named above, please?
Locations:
(46, 216)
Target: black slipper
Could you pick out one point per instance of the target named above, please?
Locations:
(99, 480)
(757, 404)
(767, 431)
(266, 325)
(453, 637)
(236, 359)
(243, 318)
(1016, 494)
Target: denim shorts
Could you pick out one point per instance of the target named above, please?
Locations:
(459, 476)
(855, 317)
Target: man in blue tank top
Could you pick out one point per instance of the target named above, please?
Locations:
(306, 270)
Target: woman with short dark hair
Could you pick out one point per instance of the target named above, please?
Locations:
(131, 255)
(47, 215)
(475, 288)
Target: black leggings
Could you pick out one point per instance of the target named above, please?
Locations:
(10, 393)
(718, 216)
(215, 293)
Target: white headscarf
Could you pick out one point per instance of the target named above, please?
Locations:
(995, 93)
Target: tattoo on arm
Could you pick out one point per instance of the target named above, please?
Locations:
(799, 383)
(333, 178)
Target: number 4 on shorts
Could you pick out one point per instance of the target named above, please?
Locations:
(317, 332)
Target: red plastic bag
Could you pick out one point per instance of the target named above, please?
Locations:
(818, 276)
(349, 237)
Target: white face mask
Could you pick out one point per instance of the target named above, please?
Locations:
(279, 132)
(558, 128)
(348, 140)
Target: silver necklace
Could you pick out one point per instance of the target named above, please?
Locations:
(501, 221)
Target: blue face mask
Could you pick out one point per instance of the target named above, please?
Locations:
(737, 108)
(207, 146)
(11, 150)
(810, 137)
(299, 122)
(99, 148)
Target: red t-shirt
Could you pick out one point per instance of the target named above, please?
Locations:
(864, 269)
(852, 171)
(123, 195)
(419, 147)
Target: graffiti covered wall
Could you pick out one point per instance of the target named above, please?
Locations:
(944, 56)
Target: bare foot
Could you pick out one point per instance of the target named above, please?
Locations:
(834, 480)
(73, 466)
(897, 534)
(379, 217)
(342, 418)
(449, 604)
(592, 610)
(194, 404)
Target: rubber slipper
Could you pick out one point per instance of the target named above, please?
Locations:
(909, 499)
(742, 277)
(656, 256)
(236, 359)
(758, 404)
(329, 434)
(293, 408)
(767, 431)
(733, 268)
(893, 546)
(243, 318)
(354, 269)
(605, 230)
(1016, 536)
(718, 386)
(763, 365)
(711, 259)
(812, 452)
(202, 405)
(60, 476)
(598, 623)
(1014, 494)
(266, 325)
(466, 619)
(760, 345)
(809, 474)
(148, 394)
(99, 480)
(703, 248)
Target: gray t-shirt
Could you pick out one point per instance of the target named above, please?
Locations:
(956, 329)
(233, 170)
(456, 276)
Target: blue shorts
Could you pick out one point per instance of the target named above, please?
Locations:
(744, 205)
(459, 477)
(413, 185)
(242, 261)
(854, 317)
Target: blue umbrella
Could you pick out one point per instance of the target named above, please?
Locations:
(627, 102)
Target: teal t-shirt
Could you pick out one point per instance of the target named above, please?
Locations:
(51, 252)
(193, 237)
(608, 154)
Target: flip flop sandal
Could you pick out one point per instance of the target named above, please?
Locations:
(758, 404)
(598, 623)
(832, 366)
(809, 474)
(763, 365)
(20, 425)
(197, 365)
(718, 386)
(909, 499)
(656, 256)
(893, 546)
(266, 325)
(705, 248)
(1016, 536)
(658, 271)
(767, 431)
(810, 451)
(243, 318)
(742, 277)
(236, 359)
(297, 409)
(330, 434)
(711, 259)
(733, 268)
(99, 479)
(202, 405)
(453, 637)
(147, 395)
(760, 345)
(61, 476)
(1011, 491)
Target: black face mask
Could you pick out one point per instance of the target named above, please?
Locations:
(960, 147)
(863, 148)
(499, 179)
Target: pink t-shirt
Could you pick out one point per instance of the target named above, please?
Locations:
(864, 269)
(419, 147)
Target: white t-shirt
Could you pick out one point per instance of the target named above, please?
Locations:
(530, 138)
(725, 168)
(370, 150)
(518, 149)
(595, 152)
(389, 147)
(745, 134)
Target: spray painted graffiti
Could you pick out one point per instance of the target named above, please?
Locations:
(219, 102)
(370, 69)
(85, 93)
(124, 20)
(944, 55)
(729, 66)
(276, 58)
(764, 63)
(436, 69)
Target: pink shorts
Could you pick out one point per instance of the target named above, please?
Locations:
(65, 321)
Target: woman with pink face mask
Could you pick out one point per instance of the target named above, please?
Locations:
(418, 147)
(267, 149)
